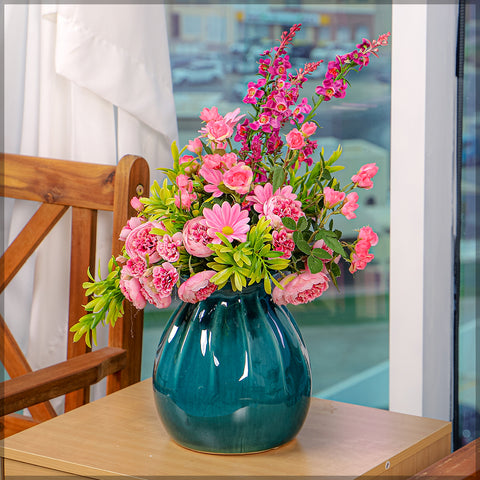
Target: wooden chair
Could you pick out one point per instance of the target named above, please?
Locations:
(86, 188)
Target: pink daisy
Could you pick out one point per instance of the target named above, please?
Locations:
(229, 220)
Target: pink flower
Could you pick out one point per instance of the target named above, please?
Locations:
(135, 267)
(278, 293)
(263, 193)
(282, 242)
(184, 182)
(141, 243)
(168, 247)
(214, 179)
(332, 197)
(198, 287)
(308, 128)
(229, 220)
(295, 139)
(165, 276)
(196, 237)
(195, 146)
(304, 288)
(137, 204)
(366, 233)
(151, 294)
(213, 161)
(350, 206)
(232, 118)
(219, 130)
(280, 206)
(238, 178)
(131, 289)
(184, 199)
(134, 222)
(193, 167)
(364, 176)
(208, 115)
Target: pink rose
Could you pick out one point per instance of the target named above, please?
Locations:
(209, 114)
(219, 130)
(350, 206)
(308, 128)
(131, 289)
(196, 238)
(213, 161)
(332, 197)
(366, 233)
(278, 293)
(140, 242)
(295, 139)
(238, 178)
(364, 176)
(304, 288)
(198, 287)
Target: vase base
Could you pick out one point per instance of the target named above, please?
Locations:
(255, 452)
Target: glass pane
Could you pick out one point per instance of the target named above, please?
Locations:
(214, 50)
(469, 409)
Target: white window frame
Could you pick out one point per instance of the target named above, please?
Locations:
(423, 138)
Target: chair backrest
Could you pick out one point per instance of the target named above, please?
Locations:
(86, 188)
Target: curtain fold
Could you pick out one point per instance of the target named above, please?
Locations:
(86, 83)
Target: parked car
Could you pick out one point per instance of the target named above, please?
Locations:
(198, 72)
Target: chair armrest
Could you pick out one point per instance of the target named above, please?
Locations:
(462, 464)
(51, 382)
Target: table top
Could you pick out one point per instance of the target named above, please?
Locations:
(122, 434)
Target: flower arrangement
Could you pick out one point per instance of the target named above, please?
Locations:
(246, 204)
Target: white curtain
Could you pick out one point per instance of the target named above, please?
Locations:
(86, 83)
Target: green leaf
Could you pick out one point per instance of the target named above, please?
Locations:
(334, 156)
(302, 224)
(335, 245)
(289, 223)
(278, 178)
(303, 246)
(267, 285)
(321, 253)
(314, 264)
(335, 269)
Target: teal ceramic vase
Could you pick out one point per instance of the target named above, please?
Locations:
(232, 374)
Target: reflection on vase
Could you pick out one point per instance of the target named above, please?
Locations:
(232, 374)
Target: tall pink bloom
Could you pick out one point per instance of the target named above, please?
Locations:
(238, 178)
(198, 287)
(229, 220)
(364, 176)
(196, 237)
(332, 197)
(350, 206)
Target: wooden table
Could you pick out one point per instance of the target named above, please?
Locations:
(121, 436)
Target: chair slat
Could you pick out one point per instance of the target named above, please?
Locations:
(82, 258)
(58, 181)
(61, 378)
(28, 240)
(16, 365)
(14, 423)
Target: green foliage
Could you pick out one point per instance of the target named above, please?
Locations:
(106, 306)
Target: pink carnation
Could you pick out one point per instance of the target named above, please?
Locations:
(364, 176)
(196, 237)
(263, 193)
(168, 247)
(282, 242)
(281, 206)
(165, 276)
(152, 295)
(198, 287)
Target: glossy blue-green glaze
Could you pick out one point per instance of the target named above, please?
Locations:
(232, 374)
